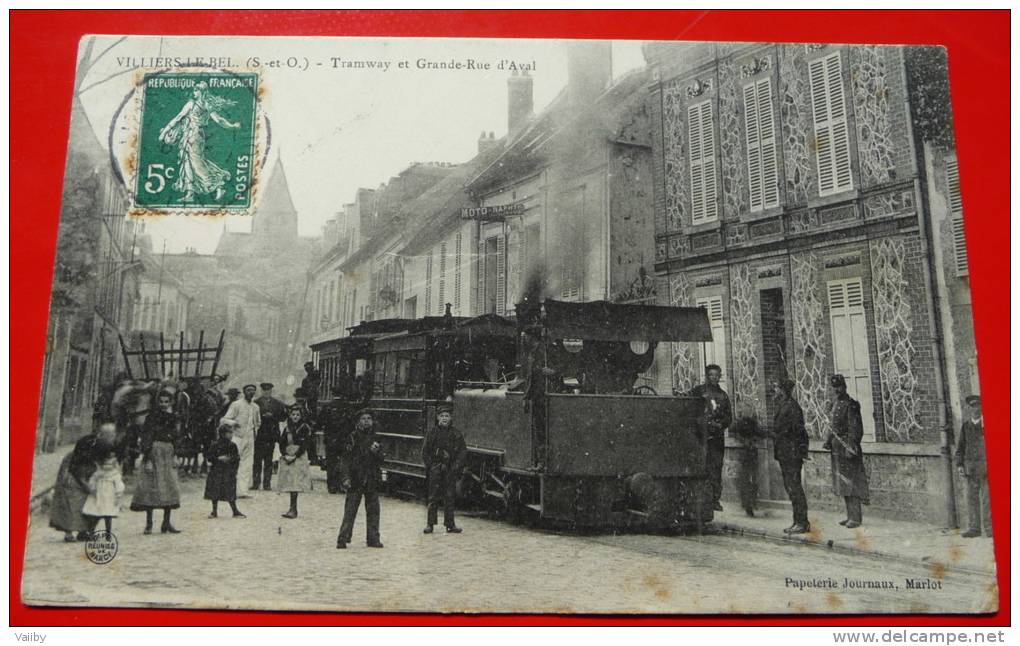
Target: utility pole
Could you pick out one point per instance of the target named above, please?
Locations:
(159, 286)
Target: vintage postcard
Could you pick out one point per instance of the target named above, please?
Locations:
(511, 326)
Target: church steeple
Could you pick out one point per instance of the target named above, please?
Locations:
(276, 216)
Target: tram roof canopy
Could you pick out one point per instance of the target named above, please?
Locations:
(605, 321)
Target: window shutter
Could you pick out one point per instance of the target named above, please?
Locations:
(832, 138)
(753, 146)
(956, 215)
(441, 305)
(428, 283)
(481, 275)
(701, 135)
(715, 351)
(501, 275)
(456, 276)
(851, 356)
(767, 136)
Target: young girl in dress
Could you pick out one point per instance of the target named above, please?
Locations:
(106, 489)
(223, 458)
(295, 471)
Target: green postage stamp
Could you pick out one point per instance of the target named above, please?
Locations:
(196, 146)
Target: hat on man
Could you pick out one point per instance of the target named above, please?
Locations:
(837, 381)
(265, 385)
(247, 386)
(364, 411)
(299, 392)
(233, 391)
(444, 408)
(973, 400)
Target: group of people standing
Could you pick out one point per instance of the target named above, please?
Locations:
(89, 485)
(790, 447)
(843, 442)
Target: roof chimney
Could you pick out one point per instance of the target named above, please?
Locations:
(485, 142)
(589, 69)
(520, 102)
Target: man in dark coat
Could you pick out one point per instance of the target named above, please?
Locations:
(970, 460)
(790, 449)
(443, 453)
(844, 442)
(335, 426)
(310, 384)
(716, 418)
(272, 412)
(363, 457)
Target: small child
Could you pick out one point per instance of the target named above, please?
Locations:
(223, 459)
(295, 470)
(106, 489)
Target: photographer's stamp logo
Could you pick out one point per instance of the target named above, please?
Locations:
(196, 145)
(101, 548)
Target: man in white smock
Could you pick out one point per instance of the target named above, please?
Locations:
(245, 414)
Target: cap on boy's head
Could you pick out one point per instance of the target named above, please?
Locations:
(364, 411)
(233, 391)
(837, 381)
(444, 408)
(247, 386)
(265, 385)
(973, 400)
(299, 393)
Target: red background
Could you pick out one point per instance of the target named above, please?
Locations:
(43, 52)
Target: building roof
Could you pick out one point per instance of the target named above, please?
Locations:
(611, 116)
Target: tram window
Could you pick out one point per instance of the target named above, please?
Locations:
(408, 373)
(379, 374)
(390, 375)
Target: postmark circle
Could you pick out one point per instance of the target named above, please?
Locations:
(101, 548)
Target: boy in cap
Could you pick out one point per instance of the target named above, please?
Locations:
(362, 474)
(970, 460)
(844, 443)
(443, 453)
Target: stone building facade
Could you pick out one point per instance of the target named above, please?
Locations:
(788, 202)
(95, 285)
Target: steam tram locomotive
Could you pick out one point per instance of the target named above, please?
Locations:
(554, 426)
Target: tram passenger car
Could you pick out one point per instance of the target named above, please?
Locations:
(556, 429)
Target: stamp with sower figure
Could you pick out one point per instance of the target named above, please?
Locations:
(197, 142)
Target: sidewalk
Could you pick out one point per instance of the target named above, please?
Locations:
(939, 548)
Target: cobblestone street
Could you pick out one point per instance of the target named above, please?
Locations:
(268, 562)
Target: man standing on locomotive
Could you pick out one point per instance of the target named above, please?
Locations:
(362, 460)
(443, 453)
(716, 418)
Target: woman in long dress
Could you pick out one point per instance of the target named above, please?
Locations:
(195, 171)
(71, 488)
(157, 486)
